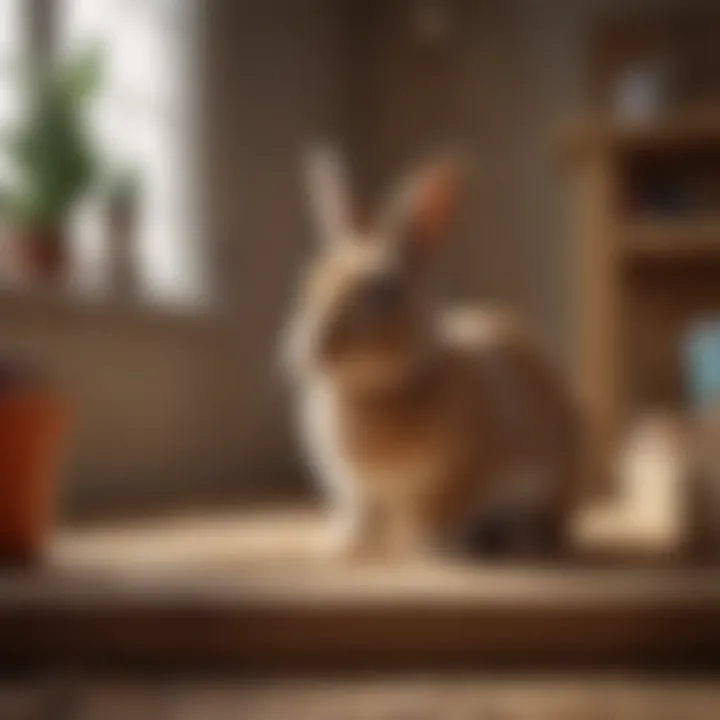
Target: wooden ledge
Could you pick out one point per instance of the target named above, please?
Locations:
(256, 591)
(73, 302)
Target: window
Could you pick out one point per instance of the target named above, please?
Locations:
(144, 120)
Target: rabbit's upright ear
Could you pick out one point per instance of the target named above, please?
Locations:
(422, 211)
(329, 194)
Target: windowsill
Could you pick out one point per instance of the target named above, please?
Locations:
(75, 300)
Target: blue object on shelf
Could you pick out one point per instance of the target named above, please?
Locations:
(702, 363)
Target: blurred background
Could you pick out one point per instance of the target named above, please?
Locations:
(152, 223)
(193, 207)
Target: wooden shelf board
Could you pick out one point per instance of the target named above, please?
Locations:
(672, 134)
(672, 239)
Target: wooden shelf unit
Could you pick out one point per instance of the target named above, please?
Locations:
(642, 278)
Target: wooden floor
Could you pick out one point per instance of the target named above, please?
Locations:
(419, 698)
(260, 592)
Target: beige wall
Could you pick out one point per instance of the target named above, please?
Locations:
(275, 81)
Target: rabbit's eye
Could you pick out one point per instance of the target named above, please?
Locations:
(382, 292)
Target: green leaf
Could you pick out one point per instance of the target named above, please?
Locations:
(81, 78)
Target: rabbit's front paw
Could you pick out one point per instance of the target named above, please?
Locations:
(350, 536)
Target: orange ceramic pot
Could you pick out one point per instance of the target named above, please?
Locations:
(32, 427)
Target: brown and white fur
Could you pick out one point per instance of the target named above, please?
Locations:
(428, 429)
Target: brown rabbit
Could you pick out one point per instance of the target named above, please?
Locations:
(428, 429)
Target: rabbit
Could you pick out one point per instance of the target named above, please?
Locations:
(430, 430)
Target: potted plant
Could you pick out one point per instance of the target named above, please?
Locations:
(55, 164)
(33, 420)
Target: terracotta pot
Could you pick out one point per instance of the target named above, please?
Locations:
(42, 252)
(32, 427)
